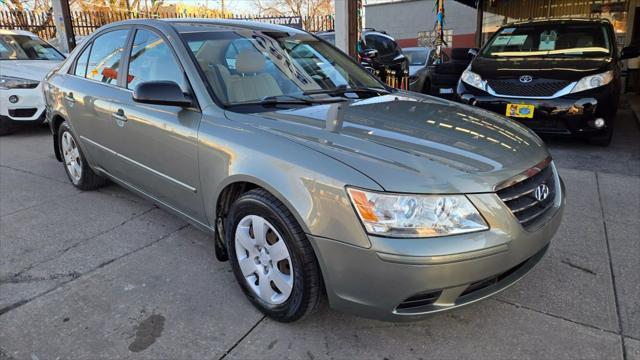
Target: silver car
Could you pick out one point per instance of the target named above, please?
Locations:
(313, 178)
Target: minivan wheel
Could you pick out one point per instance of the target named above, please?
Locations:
(271, 257)
(76, 167)
(5, 127)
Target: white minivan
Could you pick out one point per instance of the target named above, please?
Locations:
(25, 59)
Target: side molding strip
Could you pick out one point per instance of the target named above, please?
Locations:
(156, 172)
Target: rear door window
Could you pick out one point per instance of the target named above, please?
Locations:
(106, 56)
(81, 63)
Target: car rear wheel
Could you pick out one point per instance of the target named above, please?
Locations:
(271, 257)
(75, 165)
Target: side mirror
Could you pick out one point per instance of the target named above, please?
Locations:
(473, 52)
(371, 53)
(629, 52)
(161, 93)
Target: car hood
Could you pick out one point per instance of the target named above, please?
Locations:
(411, 143)
(27, 69)
(570, 69)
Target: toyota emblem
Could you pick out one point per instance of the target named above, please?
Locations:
(525, 79)
(541, 192)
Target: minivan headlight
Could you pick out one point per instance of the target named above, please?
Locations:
(10, 82)
(593, 81)
(405, 215)
(473, 79)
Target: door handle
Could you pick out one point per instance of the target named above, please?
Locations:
(69, 97)
(119, 115)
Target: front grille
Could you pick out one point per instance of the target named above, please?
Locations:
(536, 88)
(18, 113)
(419, 300)
(520, 197)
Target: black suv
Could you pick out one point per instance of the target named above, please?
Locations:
(555, 76)
(379, 51)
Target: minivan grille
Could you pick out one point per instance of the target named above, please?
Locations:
(521, 199)
(22, 113)
(536, 88)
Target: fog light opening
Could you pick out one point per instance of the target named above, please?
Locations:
(599, 123)
(13, 99)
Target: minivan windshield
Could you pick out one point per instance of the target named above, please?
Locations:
(549, 40)
(247, 66)
(416, 57)
(25, 47)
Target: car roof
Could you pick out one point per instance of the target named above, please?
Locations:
(559, 21)
(221, 23)
(16, 32)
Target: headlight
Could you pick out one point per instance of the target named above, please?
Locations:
(593, 81)
(10, 82)
(402, 215)
(473, 79)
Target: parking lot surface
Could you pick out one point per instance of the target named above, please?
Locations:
(106, 274)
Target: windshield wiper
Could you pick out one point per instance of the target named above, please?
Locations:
(289, 99)
(343, 89)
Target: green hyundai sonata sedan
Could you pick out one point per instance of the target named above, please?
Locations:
(313, 178)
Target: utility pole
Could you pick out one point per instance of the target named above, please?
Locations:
(479, 20)
(64, 27)
(346, 24)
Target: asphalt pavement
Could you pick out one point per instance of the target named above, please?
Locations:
(106, 274)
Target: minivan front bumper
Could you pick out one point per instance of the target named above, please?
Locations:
(407, 279)
(571, 114)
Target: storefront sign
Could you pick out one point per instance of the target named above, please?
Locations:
(291, 21)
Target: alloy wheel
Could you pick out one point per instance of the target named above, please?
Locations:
(71, 155)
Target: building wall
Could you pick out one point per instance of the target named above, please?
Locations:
(403, 19)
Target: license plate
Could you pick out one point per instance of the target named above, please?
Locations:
(446, 91)
(520, 110)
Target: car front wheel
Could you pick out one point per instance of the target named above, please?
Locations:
(271, 257)
(75, 165)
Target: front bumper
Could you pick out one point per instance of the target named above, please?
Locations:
(436, 274)
(571, 114)
(29, 108)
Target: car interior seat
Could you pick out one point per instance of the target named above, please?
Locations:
(252, 82)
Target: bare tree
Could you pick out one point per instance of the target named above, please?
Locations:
(294, 7)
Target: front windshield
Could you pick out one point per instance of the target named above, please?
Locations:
(25, 47)
(246, 66)
(549, 40)
(416, 57)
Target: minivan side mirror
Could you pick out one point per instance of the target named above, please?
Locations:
(161, 93)
(629, 52)
(473, 52)
(371, 53)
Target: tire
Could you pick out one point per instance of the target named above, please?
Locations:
(5, 127)
(300, 269)
(75, 164)
(426, 87)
